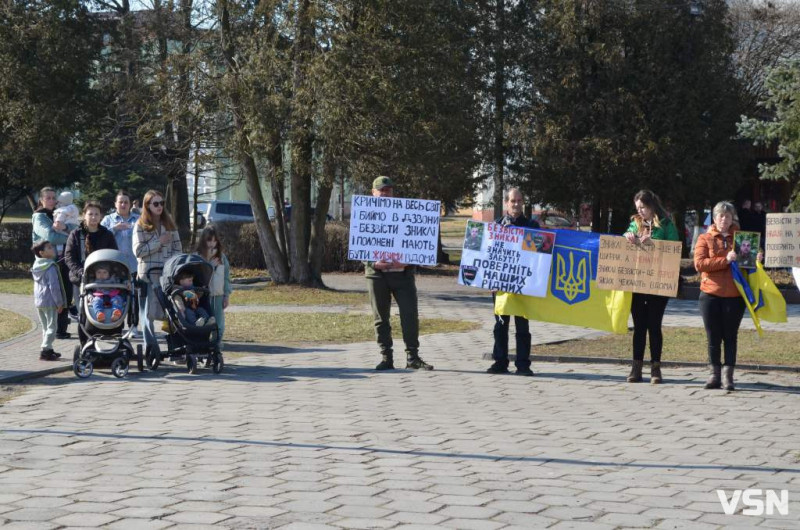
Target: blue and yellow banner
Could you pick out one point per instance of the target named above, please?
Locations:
(763, 299)
(573, 297)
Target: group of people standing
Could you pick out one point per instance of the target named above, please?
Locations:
(147, 240)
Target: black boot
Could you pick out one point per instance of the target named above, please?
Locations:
(714, 377)
(498, 367)
(415, 362)
(636, 372)
(655, 373)
(727, 378)
(387, 361)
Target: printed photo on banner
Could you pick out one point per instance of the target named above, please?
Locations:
(393, 228)
(474, 236)
(506, 258)
(746, 245)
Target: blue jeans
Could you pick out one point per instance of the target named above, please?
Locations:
(219, 314)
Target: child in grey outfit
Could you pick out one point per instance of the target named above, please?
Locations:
(48, 295)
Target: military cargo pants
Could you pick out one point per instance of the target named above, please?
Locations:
(402, 286)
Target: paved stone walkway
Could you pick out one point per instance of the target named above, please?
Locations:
(311, 437)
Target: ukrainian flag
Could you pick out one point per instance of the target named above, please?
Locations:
(763, 300)
(573, 297)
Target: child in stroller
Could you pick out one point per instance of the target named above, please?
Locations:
(106, 280)
(193, 335)
(189, 301)
(107, 303)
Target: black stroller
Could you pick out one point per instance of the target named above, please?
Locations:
(101, 339)
(192, 344)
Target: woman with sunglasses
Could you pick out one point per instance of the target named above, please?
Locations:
(210, 249)
(155, 240)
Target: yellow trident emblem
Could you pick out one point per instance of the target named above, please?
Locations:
(568, 281)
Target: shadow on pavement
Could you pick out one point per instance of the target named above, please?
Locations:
(436, 454)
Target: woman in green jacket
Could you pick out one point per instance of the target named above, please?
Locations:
(651, 221)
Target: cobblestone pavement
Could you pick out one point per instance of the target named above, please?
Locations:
(311, 437)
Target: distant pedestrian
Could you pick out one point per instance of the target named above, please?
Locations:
(49, 296)
(46, 228)
(760, 222)
(650, 221)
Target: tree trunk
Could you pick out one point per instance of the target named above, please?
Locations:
(302, 141)
(317, 245)
(275, 260)
(275, 155)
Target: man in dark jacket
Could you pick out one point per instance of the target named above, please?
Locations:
(513, 217)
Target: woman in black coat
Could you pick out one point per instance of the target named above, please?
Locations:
(88, 237)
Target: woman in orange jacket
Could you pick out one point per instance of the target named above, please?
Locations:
(721, 305)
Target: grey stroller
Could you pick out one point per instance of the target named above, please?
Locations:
(101, 338)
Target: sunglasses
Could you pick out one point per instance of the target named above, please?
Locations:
(157, 203)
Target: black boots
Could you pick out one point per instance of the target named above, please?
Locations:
(714, 378)
(387, 361)
(655, 373)
(414, 361)
(636, 372)
(727, 377)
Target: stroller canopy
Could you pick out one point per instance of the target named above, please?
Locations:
(200, 268)
(116, 259)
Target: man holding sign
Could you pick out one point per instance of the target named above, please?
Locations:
(392, 278)
(513, 217)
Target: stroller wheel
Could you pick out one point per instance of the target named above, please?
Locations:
(120, 367)
(191, 364)
(139, 358)
(152, 357)
(83, 368)
(217, 362)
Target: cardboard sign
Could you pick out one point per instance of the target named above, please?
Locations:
(747, 245)
(390, 228)
(782, 245)
(511, 259)
(650, 268)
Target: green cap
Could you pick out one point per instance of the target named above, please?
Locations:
(382, 182)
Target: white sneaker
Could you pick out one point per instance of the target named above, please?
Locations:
(210, 321)
(200, 322)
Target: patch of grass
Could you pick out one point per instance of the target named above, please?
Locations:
(12, 325)
(453, 226)
(294, 295)
(688, 345)
(336, 328)
(16, 286)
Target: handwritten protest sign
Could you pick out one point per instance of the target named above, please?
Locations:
(390, 228)
(506, 258)
(650, 268)
(782, 244)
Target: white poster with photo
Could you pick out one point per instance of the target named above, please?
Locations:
(392, 228)
(511, 259)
